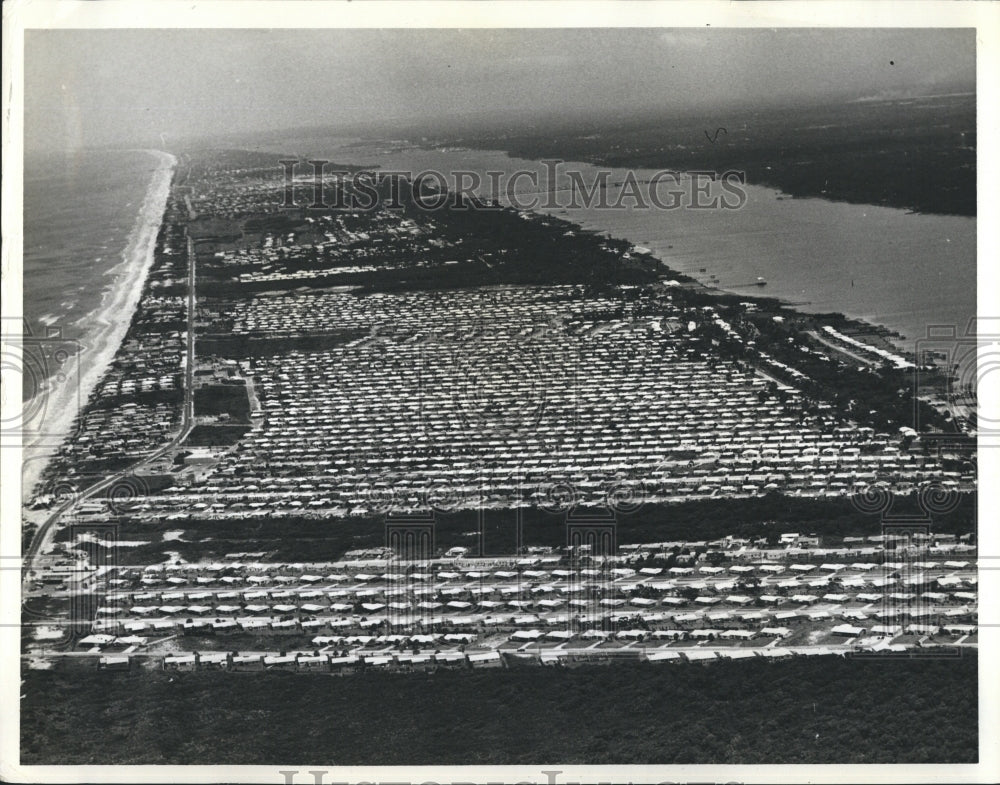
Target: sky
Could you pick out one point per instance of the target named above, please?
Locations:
(88, 88)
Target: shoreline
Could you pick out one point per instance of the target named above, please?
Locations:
(745, 291)
(878, 325)
(899, 322)
(64, 402)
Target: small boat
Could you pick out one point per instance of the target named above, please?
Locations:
(761, 281)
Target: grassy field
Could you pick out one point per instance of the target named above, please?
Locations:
(816, 710)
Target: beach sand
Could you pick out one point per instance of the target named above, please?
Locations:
(60, 403)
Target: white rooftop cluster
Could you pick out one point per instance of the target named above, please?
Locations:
(485, 396)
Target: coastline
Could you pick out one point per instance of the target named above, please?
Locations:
(814, 296)
(63, 402)
(819, 256)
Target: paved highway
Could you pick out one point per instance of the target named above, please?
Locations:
(42, 539)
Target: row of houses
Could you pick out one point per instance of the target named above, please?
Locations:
(480, 620)
(460, 599)
(521, 571)
(312, 662)
(490, 398)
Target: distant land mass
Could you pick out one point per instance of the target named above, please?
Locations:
(917, 154)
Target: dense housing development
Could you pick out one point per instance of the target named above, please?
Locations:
(588, 399)
(416, 372)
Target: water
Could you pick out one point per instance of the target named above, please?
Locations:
(884, 265)
(90, 225)
(79, 212)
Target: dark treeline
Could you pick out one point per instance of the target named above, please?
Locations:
(918, 154)
(803, 710)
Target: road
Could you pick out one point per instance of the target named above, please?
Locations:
(43, 536)
(867, 361)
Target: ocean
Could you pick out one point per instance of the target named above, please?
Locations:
(79, 212)
(90, 224)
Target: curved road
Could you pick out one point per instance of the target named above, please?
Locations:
(46, 530)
